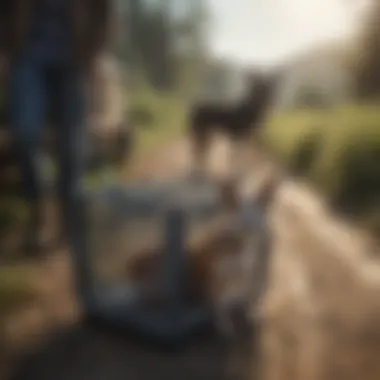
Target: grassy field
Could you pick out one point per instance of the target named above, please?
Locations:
(167, 112)
(336, 149)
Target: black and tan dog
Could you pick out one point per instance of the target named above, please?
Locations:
(236, 121)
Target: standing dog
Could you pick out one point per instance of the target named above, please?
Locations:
(238, 121)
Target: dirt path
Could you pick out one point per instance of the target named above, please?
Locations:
(321, 310)
(174, 160)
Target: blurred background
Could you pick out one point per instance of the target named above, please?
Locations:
(321, 311)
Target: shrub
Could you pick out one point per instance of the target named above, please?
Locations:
(337, 149)
(306, 152)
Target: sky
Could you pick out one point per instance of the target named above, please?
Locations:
(269, 31)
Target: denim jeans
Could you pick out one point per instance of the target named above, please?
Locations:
(36, 88)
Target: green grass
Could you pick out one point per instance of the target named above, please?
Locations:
(337, 149)
(167, 110)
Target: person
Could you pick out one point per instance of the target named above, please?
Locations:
(48, 48)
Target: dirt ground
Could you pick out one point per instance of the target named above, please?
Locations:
(319, 319)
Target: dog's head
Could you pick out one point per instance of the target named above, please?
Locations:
(262, 86)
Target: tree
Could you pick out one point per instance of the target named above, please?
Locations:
(367, 59)
(161, 45)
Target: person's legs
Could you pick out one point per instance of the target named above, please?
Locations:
(27, 112)
(71, 122)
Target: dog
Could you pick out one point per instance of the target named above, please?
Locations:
(238, 121)
(221, 271)
(209, 247)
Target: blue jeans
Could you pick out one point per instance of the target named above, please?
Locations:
(36, 88)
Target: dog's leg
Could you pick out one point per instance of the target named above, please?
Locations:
(200, 145)
(238, 164)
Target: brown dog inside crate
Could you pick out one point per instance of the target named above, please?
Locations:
(215, 252)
